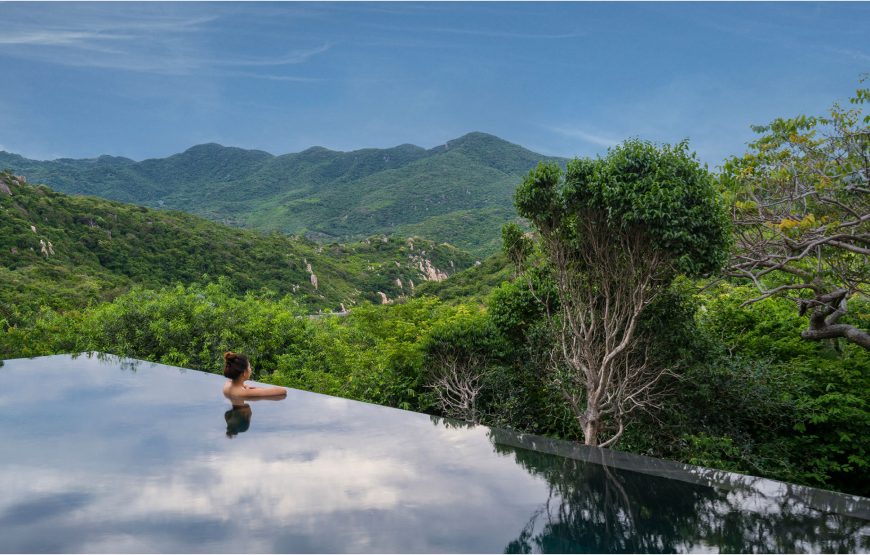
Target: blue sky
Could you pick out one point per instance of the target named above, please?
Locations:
(148, 80)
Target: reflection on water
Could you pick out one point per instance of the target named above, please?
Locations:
(238, 419)
(596, 508)
(128, 364)
(144, 466)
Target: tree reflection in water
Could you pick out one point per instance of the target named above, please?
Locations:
(129, 364)
(596, 508)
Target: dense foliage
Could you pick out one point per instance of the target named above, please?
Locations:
(64, 251)
(374, 354)
(458, 193)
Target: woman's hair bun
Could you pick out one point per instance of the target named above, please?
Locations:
(234, 365)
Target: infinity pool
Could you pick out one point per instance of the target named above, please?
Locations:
(102, 454)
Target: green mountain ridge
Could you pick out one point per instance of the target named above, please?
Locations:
(459, 192)
(63, 252)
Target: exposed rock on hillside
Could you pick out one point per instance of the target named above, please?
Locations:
(428, 271)
(7, 181)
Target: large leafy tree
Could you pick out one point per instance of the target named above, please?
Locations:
(613, 233)
(801, 213)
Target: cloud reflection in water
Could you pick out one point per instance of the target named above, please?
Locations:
(149, 468)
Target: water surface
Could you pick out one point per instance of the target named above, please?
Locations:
(101, 454)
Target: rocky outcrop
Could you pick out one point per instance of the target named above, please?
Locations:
(46, 248)
(430, 272)
(7, 181)
(312, 277)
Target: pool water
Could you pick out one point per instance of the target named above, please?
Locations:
(103, 454)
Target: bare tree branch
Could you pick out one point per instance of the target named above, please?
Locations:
(457, 383)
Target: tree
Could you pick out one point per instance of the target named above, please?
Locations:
(458, 350)
(801, 213)
(613, 233)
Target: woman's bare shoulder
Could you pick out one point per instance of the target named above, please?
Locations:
(234, 390)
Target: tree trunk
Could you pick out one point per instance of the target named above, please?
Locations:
(591, 423)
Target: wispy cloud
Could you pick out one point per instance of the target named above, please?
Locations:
(295, 57)
(851, 53)
(404, 30)
(139, 42)
(57, 38)
(81, 32)
(506, 34)
(269, 77)
(584, 135)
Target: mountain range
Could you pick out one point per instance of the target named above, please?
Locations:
(459, 193)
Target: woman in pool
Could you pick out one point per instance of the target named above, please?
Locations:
(238, 370)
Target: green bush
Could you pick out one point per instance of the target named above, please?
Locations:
(758, 399)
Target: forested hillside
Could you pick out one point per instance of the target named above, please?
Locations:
(459, 192)
(64, 251)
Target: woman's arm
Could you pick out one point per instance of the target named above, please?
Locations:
(251, 391)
